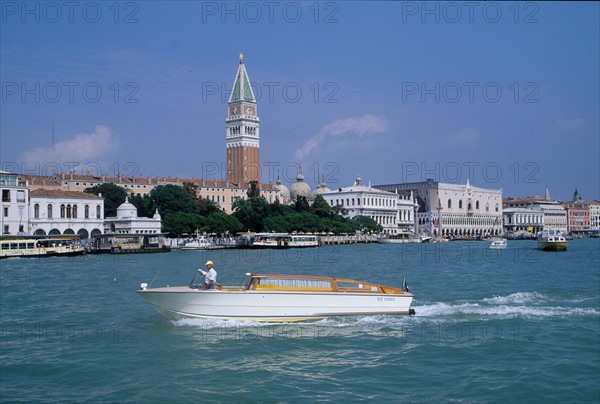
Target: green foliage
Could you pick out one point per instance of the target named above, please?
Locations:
(173, 199)
(301, 204)
(320, 207)
(145, 204)
(113, 196)
(204, 205)
(253, 191)
(366, 224)
(178, 223)
(220, 223)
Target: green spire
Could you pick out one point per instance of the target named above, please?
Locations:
(242, 91)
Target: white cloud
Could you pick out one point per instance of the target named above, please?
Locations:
(570, 124)
(82, 147)
(348, 128)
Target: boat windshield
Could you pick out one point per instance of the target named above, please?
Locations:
(293, 283)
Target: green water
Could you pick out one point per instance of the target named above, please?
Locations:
(515, 325)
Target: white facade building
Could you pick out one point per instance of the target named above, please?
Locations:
(594, 215)
(54, 212)
(465, 210)
(14, 214)
(128, 222)
(388, 209)
(529, 220)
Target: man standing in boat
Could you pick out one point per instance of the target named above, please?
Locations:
(210, 276)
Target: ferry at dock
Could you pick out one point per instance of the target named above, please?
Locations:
(40, 246)
(284, 240)
(129, 243)
(280, 298)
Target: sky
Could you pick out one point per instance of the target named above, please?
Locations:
(503, 94)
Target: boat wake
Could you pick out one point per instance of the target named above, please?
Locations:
(520, 304)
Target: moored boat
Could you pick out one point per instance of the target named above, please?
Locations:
(284, 240)
(552, 240)
(129, 243)
(40, 246)
(403, 238)
(195, 244)
(280, 298)
(499, 244)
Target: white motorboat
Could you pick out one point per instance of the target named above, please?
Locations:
(552, 240)
(280, 298)
(40, 246)
(499, 244)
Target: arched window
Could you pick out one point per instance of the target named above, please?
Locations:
(49, 211)
(477, 205)
(62, 211)
(86, 211)
(449, 203)
(74, 211)
(36, 211)
(98, 216)
(460, 204)
(69, 211)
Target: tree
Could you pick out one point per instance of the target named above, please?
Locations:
(253, 191)
(204, 205)
(245, 212)
(113, 196)
(320, 207)
(176, 224)
(301, 204)
(220, 222)
(144, 204)
(366, 224)
(172, 199)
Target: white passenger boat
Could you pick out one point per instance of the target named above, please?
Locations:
(552, 240)
(499, 244)
(280, 298)
(401, 239)
(40, 246)
(195, 244)
(284, 240)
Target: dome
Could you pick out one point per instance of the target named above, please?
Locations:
(126, 209)
(322, 188)
(284, 191)
(300, 188)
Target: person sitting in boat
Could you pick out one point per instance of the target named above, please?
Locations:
(210, 276)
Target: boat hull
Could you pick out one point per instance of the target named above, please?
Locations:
(184, 302)
(552, 245)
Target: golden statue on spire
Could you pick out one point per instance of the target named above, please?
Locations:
(241, 57)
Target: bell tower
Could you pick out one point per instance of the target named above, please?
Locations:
(242, 131)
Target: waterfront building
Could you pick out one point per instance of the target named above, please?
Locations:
(14, 213)
(578, 216)
(128, 222)
(555, 216)
(519, 220)
(594, 215)
(242, 131)
(393, 212)
(56, 212)
(219, 191)
(460, 210)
